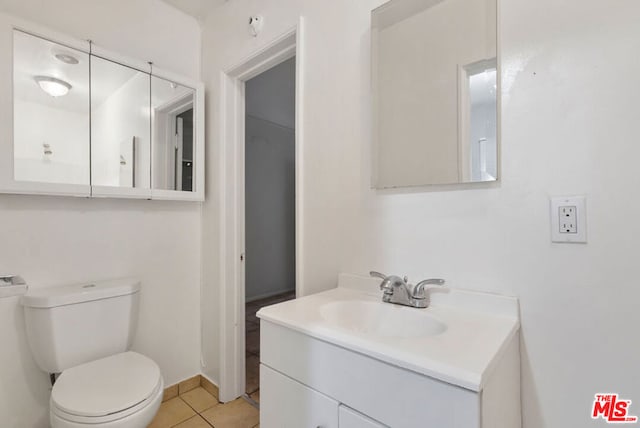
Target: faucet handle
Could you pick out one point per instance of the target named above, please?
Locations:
(383, 277)
(375, 274)
(418, 290)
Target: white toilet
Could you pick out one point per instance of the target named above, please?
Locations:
(83, 332)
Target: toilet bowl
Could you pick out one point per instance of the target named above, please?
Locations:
(84, 332)
(123, 390)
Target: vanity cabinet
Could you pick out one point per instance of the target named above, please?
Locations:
(84, 121)
(349, 418)
(286, 403)
(308, 382)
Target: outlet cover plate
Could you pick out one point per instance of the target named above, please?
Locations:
(572, 208)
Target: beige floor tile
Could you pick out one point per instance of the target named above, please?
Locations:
(171, 413)
(236, 414)
(199, 399)
(195, 422)
(252, 374)
(256, 396)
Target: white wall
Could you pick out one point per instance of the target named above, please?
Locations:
(272, 95)
(69, 162)
(270, 209)
(148, 30)
(569, 114)
(57, 240)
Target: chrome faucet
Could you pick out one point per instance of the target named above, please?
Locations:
(399, 291)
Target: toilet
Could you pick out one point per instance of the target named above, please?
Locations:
(84, 333)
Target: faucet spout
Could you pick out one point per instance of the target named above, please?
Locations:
(398, 290)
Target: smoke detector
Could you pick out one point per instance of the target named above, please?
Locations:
(255, 25)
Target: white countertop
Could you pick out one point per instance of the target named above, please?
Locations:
(479, 326)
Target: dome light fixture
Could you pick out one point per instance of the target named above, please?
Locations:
(66, 58)
(52, 86)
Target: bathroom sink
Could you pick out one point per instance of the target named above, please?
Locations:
(457, 339)
(381, 319)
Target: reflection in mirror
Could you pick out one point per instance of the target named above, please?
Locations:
(51, 111)
(479, 140)
(435, 92)
(120, 132)
(173, 135)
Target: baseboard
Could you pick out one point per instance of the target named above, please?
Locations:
(188, 384)
(269, 294)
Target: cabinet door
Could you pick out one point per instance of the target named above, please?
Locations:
(177, 143)
(349, 418)
(285, 403)
(48, 152)
(120, 130)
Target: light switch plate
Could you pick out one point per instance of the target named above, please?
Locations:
(569, 219)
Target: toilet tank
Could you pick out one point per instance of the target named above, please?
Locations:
(74, 324)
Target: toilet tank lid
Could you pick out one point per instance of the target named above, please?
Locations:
(51, 297)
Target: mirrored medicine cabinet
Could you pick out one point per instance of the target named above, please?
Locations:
(435, 93)
(87, 122)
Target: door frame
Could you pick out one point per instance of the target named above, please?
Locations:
(164, 119)
(232, 187)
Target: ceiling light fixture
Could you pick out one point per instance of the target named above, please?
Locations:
(67, 58)
(52, 86)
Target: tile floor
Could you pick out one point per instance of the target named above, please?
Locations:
(252, 331)
(197, 408)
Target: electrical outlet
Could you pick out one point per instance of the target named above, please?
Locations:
(568, 219)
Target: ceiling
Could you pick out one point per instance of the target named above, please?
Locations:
(199, 9)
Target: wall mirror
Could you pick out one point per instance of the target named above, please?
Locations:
(172, 110)
(88, 122)
(435, 92)
(51, 112)
(120, 125)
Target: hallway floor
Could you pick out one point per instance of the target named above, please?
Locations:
(252, 331)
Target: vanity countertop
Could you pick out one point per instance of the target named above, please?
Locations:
(479, 327)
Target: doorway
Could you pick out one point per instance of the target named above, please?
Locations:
(270, 222)
(231, 173)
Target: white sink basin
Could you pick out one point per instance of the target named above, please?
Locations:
(381, 319)
(457, 339)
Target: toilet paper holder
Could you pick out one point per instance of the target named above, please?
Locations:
(12, 285)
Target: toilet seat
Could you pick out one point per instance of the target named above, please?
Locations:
(106, 390)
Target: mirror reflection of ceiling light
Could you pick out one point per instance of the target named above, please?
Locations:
(67, 58)
(52, 86)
